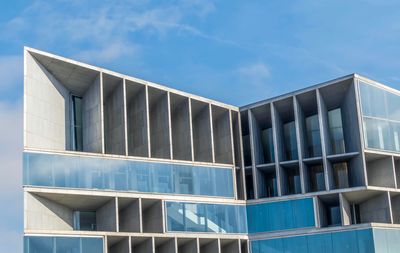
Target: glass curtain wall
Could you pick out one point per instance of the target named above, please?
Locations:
(336, 131)
(289, 132)
(313, 136)
(381, 118)
(76, 129)
(317, 178)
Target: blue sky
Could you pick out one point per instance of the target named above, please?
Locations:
(236, 52)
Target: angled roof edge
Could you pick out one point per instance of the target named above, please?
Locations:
(130, 78)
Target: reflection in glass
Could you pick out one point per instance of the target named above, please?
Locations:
(293, 181)
(289, 132)
(60, 244)
(84, 221)
(77, 128)
(200, 217)
(354, 241)
(381, 120)
(51, 170)
(313, 136)
(267, 145)
(336, 131)
(292, 214)
(341, 175)
(317, 178)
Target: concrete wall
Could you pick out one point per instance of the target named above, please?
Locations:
(159, 124)
(167, 246)
(137, 119)
(106, 216)
(376, 209)
(152, 212)
(120, 247)
(230, 246)
(180, 125)
(380, 172)
(345, 210)
(187, 245)
(395, 200)
(222, 135)
(114, 122)
(143, 246)
(202, 144)
(129, 217)
(92, 118)
(46, 109)
(43, 214)
(211, 246)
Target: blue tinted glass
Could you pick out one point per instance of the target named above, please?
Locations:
(386, 240)
(47, 244)
(381, 120)
(67, 244)
(313, 136)
(122, 175)
(357, 241)
(92, 245)
(200, 217)
(37, 244)
(289, 132)
(292, 214)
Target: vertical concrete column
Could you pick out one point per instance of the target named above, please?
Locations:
(191, 127)
(253, 163)
(242, 167)
(324, 131)
(235, 183)
(125, 108)
(276, 133)
(148, 121)
(360, 128)
(171, 148)
(299, 136)
(345, 210)
(212, 133)
(102, 113)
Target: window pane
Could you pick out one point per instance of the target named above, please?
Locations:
(123, 175)
(200, 217)
(336, 131)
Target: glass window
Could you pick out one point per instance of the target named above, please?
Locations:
(67, 245)
(289, 132)
(201, 217)
(85, 221)
(356, 241)
(77, 128)
(341, 175)
(381, 120)
(60, 244)
(317, 178)
(336, 131)
(292, 214)
(267, 145)
(51, 170)
(313, 136)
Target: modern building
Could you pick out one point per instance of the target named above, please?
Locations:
(115, 164)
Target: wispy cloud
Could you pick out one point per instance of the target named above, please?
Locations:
(109, 28)
(255, 74)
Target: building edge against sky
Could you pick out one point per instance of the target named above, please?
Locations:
(113, 163)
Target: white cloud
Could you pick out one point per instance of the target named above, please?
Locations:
(255, 74)
(108, 27)
(11, 179)
(11, 72)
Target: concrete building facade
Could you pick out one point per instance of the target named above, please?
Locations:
(117, 164)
